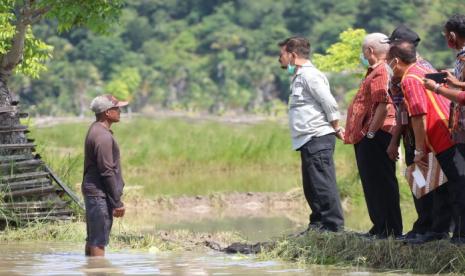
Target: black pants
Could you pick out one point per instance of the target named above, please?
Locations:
(378, 176)
(424, 208)
(442, 209)
(319, 182)
(452, 162)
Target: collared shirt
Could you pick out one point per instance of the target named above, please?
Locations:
(311, 106)
(457, 120)
(372, 91)
(397, 96)
(421, 101)
(102, 168)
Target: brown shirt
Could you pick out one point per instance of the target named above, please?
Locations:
(102, 168)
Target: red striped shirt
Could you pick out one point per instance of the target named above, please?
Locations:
(373, 90)
(421, 101)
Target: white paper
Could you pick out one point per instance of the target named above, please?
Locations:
(419, 178)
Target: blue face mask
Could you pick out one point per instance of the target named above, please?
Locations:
(290, 69)
(364, 61)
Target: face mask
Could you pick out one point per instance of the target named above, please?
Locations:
(390, 69)
(290, 69)
(364, 61)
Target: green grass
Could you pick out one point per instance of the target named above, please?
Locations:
(175, 157)
(347, 249)
(172, 157)
(123, 236)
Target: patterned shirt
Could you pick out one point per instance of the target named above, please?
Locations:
(421, 101)
(311, 106)
(457, 120)
(372, 91)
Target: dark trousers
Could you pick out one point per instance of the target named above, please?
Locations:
(452, 162)
(378, 176)
(433, 209)
(319, 182)
(424, 208)
(442, 209)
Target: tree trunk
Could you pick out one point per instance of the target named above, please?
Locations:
(9, 118)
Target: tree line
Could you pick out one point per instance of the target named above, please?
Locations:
(214, 55)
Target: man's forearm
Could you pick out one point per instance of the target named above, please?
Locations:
(451, 94)
(114, 196)
(335, 124)
(396, 133)
(379, 117)
(419, 130)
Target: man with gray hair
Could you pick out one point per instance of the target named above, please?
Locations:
(369, 125)
(102, 184)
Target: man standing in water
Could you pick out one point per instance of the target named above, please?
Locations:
(102, 184)
(313, 122)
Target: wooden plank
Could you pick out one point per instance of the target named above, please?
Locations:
(17, 146)
(44, 214)
(21, 164)
(21, 176)
(65, 187)
(59, 218)
(27, 184)
(34, 191)
(14, 129)
(34, 204)
(6, 109)
(16, 157)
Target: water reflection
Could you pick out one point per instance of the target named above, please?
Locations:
(67, 259)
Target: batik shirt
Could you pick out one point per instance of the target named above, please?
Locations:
(457, 120)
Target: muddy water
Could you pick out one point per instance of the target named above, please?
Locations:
(66, 259)
(265, 226)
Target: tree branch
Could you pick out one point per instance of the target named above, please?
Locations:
(14, 55)
(27, 17)
(39, 13)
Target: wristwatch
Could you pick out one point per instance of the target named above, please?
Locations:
(418, 152)
(371, 135)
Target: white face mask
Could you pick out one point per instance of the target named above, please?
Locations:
(390, 69)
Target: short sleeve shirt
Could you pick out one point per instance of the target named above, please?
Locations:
(421, 101)
(372, 91)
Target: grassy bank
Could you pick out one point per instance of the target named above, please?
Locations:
(123, 236)
(347, 249)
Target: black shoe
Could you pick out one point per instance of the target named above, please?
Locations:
(310, 227)
(412, 235)
(427, 237)
(366, 236)
(458, 240)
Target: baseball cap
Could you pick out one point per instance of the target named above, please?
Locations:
(104, 102)
(403, 33)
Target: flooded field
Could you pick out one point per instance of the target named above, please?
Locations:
(67, 259)
(57, 258)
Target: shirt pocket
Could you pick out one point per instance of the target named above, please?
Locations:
(297, 98)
